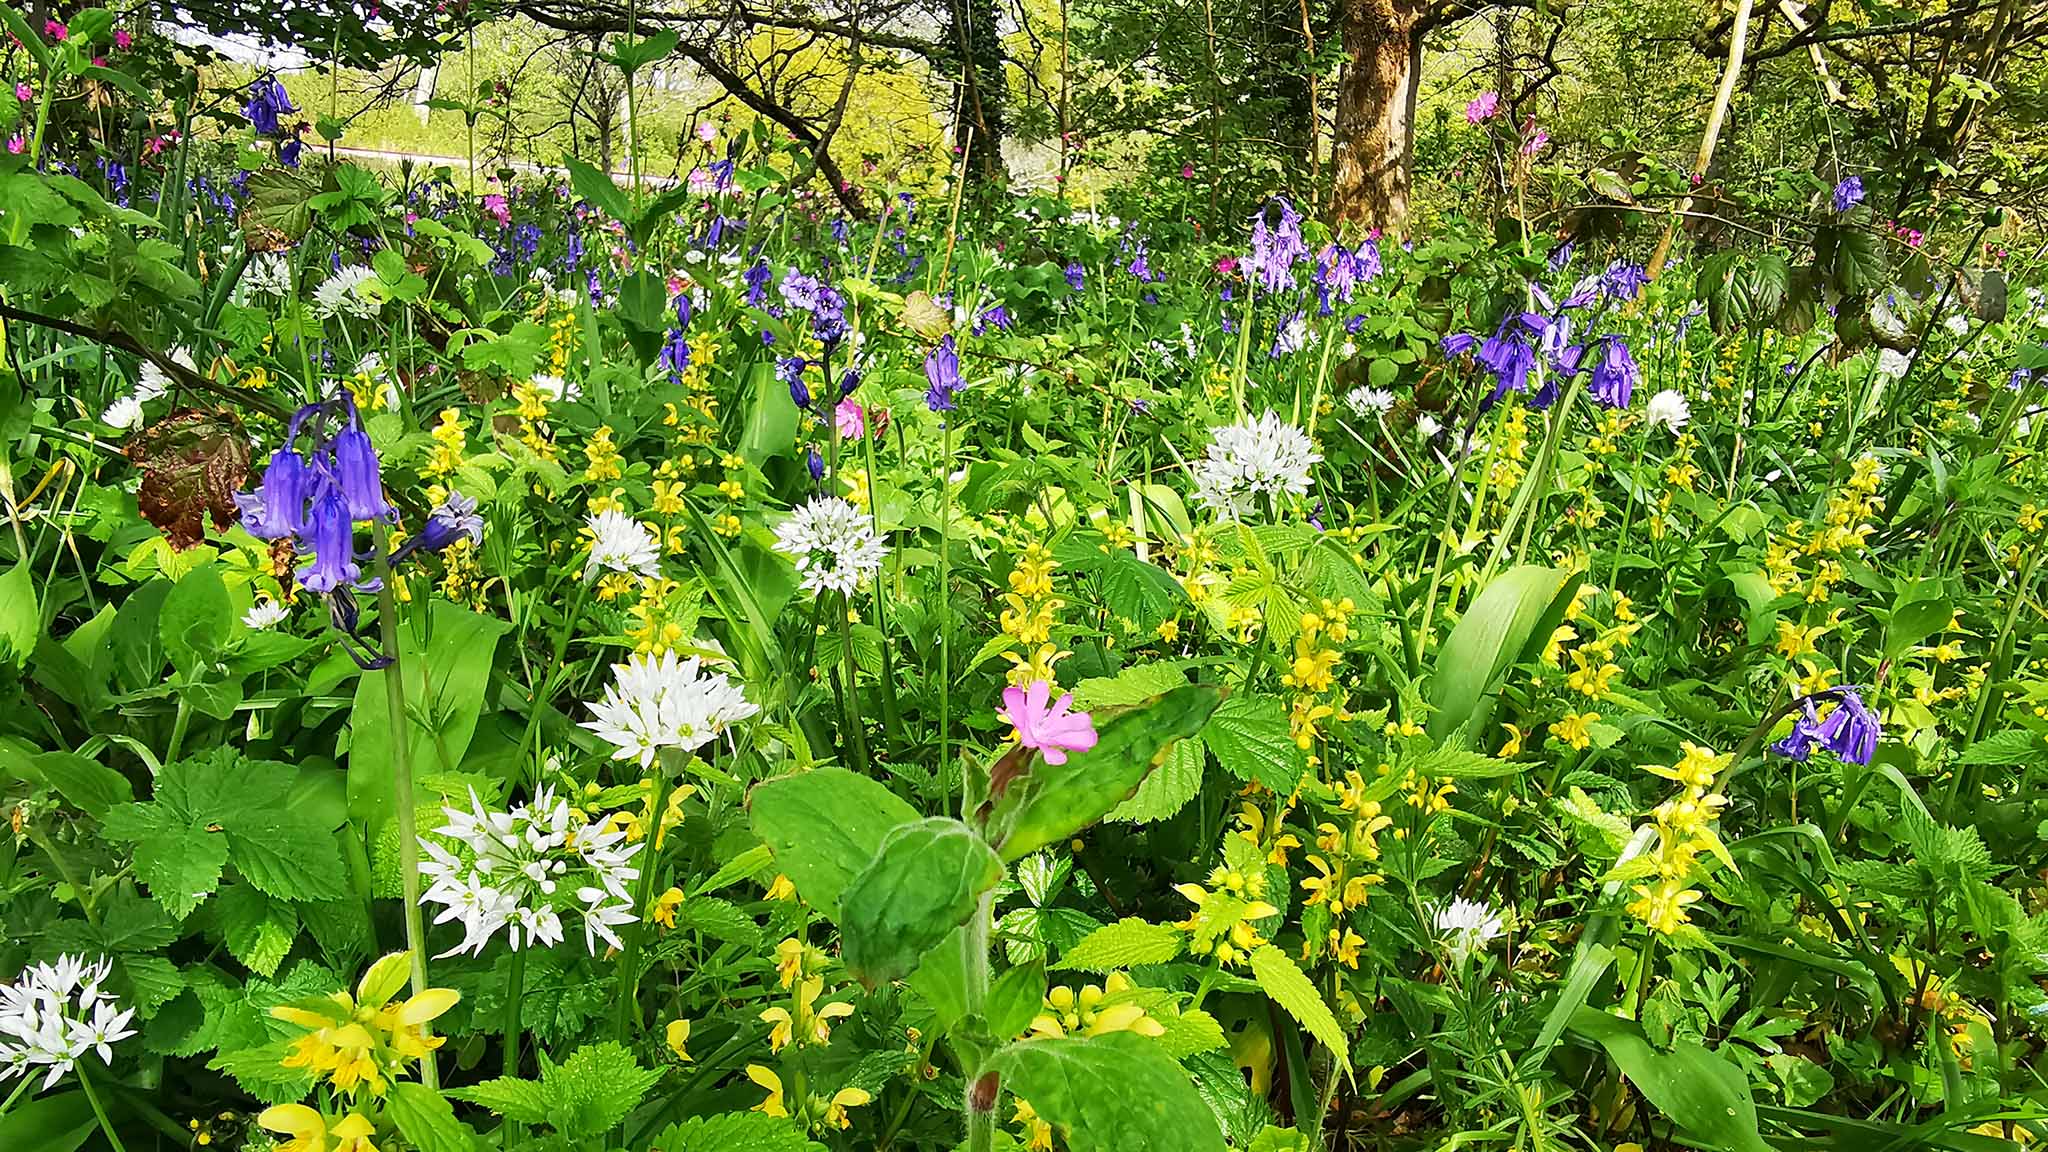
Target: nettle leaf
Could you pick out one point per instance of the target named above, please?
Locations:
(1126, 943)
(525, 1101)
(1175, 781)
(925, 880)
(1284, 982)
(1251, 739)
(591, 1091)
(426, 1119)
(824, 826)
(1045, 803)
(735, 1132)
(1115, 1093)
(258, 930)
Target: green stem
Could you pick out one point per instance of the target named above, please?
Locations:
(527, 741)
(515, 991)
(15, 1095)
(178, 726)
(669, 766)
(400, 722)
(945, 596)
(981, 1115)
(1534, 485)
(99, 1111)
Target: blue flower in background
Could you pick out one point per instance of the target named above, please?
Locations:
(1276, 246)
(942, 371)
(1623, 281)
(1077, 276)
(1848, 194)
(267, 101)
(790, 370)
(757, 276)
(997, 317)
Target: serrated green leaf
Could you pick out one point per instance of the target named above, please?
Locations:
(258, 930)
(525, 1101)
(1288, 988)
(734, 1132)
(1115, 1093)
(591, 1091)
(1250, 738)
(1176, 780)
(426, 1120)
(1126, 943)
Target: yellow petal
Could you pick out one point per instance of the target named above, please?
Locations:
(428, 1005)
(678, 1035)
(354, 1127)
(850, 1097)
(292, 1120)
(384, 979)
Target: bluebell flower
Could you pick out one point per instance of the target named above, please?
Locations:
(1798, 744)
(1276, 246)
(1458, 343)
(1077, 276)
(1141, 267)
(1353, 324)
(839, 230)
(357, 474)
(757, 276)
(721, 173)
(684, 309)
(267, 100)
(2017, 382)
(1623, 281)
(332, 535)
(848, 381)
(1848, 193)
(1583, 293)
(942, 371)
(997, 317)
(1560, 256)
(1509, 355)
(1336, 275)
(278, 506)
(790, 370)
(816, 464)
(453, 519)
(1368, 257)
(675, 355)
(1614, 374)
(289, 152)
(1851, 730)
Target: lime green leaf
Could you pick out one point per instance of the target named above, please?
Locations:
(1251, 739)
(1123, 944)
(735, 1132)
(426, 1120)
(259, 930)
(924, 881)
(1291, 990)
(1170, 786)
(1115, 1093)
(1510, 622)
(825, 826)
(458, 657)
(21, 618)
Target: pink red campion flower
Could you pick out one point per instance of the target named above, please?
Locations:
(1052, 730)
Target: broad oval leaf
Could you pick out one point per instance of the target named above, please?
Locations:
(1508, 623)
(825, 826)
(1115, 1093)
(924, 882)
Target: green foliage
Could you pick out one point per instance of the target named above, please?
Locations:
(1110, 1092)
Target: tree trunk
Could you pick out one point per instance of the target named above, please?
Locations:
(984, 103)
(1375, 119)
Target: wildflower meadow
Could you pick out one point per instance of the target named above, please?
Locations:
(668, 628)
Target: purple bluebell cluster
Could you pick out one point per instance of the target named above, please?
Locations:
(1615, 374)
(1276, 246)
(1339, 271)
(996, 316)
(942, 372)
(1077, 276)
(267, 102)
(1623, 281)
(1848, 194)
(757, 277)
(1850, 730)
(674, 357)
(790, 370)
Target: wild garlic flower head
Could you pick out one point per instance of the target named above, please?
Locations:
(269, 274)
(657, 702)
(1267, 456)
(834, 544)
(343, 293)
(522, 870)
(1466, 927)
(1366, 403)
(54, 1014)
(1668, 410)
(622, 544)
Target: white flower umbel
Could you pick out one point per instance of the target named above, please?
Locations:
(1669, 410)
(269, 274)
(622, 544)
(1367, 403)
(1466, 927)
(124, 413)
(521, 871)
(343, 292)
(53, 1015)
(663, 702)
(1267, 456)
(834, 544)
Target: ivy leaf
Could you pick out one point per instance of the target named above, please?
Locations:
(924, 881)
(1115, 1093)
(824, 826)
(1124, 944)
(1292, 991)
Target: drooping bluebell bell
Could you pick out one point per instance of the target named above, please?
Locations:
(674, 357)
(455, 518)
(1509, 354)
(942, 372)
(721, 173)
(839, 231)
(1560, 256)
(801, 291)
(1798, 743)
(790, 370)
(1336, 277)
(331, 533)
(1614, 374)
(1368, 255)
(1850, 730)
(1623, 281)
(816, 464)
(848, 381)
(1458, 344)
(1848, 194)
(2017, 382)
(357, 474)
(1077, 276)
(1140, 266)
(267, 101)
(757, 276)
(1276, 246)
(289, 152)
(1583, 293)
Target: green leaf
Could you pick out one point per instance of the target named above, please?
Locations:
(1176, 780)
(734, 1132)
(1913, 622)
(1509, 623)
(289, 856)
(21, 617)
(1115, 1093)
(925, 880)
(278, 207)
(179, 862)
(1046, 803)
(1133, 685)
(56, 1123)
(445, 684)
(426, 1119)
(1126, 943)
(1015, 999)
(591, 1091)
(1291, 990)
(825, 826)
(1251, 739)
(525, 1101)
(259, 930)
(89, 784)
(1692, 1087)
(596, 187)
(2012, 746)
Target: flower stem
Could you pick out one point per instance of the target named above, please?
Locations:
(98, 1110)
(400, 723)
(669, 767)
(515, 991)
(945, 597)
(980, 1103)
(15, 1095)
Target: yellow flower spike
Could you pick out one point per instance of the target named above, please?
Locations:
(835, 1108)
(783, 1030)
(789, 961)
(678, 1035)
(773, 1083)
(1572, 728)
(1037, 1133)
(306, 1127)
(353, 1133)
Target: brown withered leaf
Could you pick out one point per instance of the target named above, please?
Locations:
(193, 462)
